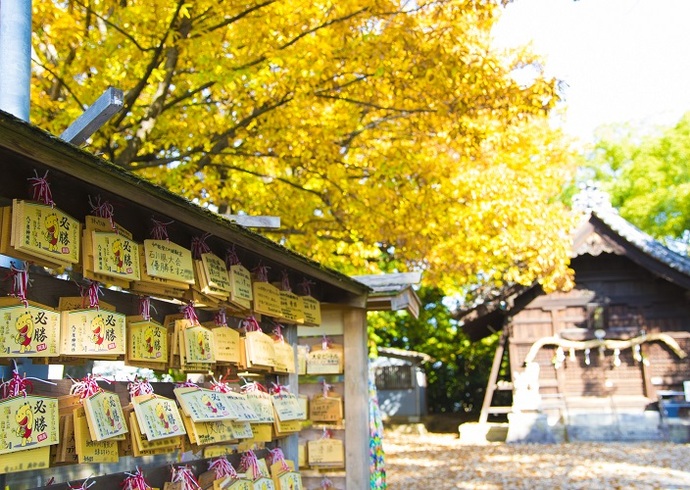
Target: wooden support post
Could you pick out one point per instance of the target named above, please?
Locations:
(493, 377)
(356, 399)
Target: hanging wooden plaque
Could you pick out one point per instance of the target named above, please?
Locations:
(28, 331)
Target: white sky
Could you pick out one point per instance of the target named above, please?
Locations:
(623, 60)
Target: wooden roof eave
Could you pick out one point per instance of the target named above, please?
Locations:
(49, 151)
(639, 256)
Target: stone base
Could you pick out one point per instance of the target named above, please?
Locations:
(529, 428)
(476, 433)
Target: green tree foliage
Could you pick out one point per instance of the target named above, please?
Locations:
(458, 374)
(648, 177)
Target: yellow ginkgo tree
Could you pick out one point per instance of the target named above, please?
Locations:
(383, 133)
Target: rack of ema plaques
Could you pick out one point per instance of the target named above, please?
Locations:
(173, 333)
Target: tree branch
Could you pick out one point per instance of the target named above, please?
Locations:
(237, 17)
(116, 27)
(133, 94)
(374, 106)
(61, 81)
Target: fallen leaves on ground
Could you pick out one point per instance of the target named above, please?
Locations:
(441, 461)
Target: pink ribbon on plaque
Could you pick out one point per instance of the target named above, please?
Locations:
(231, 257)
(306, 286)
(83, 486)
(248, 461)
(223, 468)
(92, 291)
(20, 282)
(276, 456)
(41, 188)
(186, 384)
(159, 230)
(145, 307)
(103, 210)
(135, 481)
(87, 386)
(261, 272)
(19, 385)
(278, 332)
(326, 483)
(285, 282)
(189, 313)
(139, 386)
(253, 387)
(220, 318)
(278, 389)
(250, 324)
(325, 343)
(220, 386)
(185, 475)
(326, 387)
(199, 246)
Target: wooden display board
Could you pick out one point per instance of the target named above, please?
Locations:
(76, 176)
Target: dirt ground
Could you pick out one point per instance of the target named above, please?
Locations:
(440, 461)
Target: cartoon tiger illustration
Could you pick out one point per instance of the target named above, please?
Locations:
(110, 415)
(98, 331)
(148, 338)
(119, 255)
(164, 419)
(201, 340)
(25, 420)
(51, 224)
(25, 332)
(206, 400)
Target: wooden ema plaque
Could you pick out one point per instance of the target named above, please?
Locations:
(284, 355)
(45, 232)
(291, 307)
(242, 406)
(28, 331)
(28, 422)
(241, 292)
(92, 332)
(226, 342)
(326, 453)
(325, 361)
(287, 407)
(260, 350)
(215, 275)
(88, 450)
(267, 299)
(158, 417)
(147, 343)
(198, 344)
(203, 405)
(104, 416)
(328, 409)
(286, 479)
(115, 256)
(311, 309)
(168, 260)
(262, 405)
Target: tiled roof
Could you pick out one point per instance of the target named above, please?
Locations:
(644, 242)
